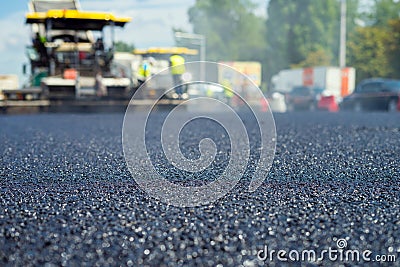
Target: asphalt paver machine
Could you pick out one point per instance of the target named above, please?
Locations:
(69, 57)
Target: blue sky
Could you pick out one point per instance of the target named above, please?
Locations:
(152, 21)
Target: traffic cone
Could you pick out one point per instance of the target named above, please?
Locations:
(328, 103)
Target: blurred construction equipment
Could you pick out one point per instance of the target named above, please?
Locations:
(69, 50)
(161, 85)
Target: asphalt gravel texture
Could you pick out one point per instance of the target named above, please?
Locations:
(68, 199)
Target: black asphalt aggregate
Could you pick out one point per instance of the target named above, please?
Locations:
(68, 199)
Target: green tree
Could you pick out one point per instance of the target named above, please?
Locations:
(297, 28)
(305, 32)
(232, 30)
(123, 47)
(279, 22)
(368, 52)
(374, 48)
(393, 47)
(383, 11)
(316, 58)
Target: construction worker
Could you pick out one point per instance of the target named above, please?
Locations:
(99, 45)
(39, 44)
(210, 92)
(145, 71)
(176, 63)
(228, 90)
(101, 89)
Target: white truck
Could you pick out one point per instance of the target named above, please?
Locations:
(330, 80)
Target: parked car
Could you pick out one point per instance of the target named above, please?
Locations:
(303, 98)
(374, 94)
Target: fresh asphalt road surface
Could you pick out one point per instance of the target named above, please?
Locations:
(67, 197)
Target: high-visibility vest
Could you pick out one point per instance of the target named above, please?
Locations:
(144, 70)
(177, 64)
(210, 92)
(228, 91)
(43, 39)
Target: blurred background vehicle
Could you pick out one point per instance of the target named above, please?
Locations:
(321, 87)
(374, 94)
(70, 57)
(303, 98)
